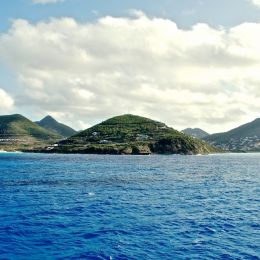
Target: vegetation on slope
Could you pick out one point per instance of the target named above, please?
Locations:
(18, 132)
(130, 134)
(195, 132)
(51, 124)
(247, 130)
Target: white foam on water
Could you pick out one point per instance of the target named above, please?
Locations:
(3, 151)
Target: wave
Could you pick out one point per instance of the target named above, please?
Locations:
(3, 151)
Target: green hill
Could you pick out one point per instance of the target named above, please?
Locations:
(130, 134)
(195, 132)
(244, 138)
(18, 132)
(51, 124)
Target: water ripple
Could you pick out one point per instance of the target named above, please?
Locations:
(129, 207)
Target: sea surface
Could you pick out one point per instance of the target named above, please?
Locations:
(129, 207)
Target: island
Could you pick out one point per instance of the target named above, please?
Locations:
(130, 134)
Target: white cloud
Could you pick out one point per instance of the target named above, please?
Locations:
(46, 1)
(84, 73)
(6, 101)
(255, 2)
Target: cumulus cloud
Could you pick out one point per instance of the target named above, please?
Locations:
(6, 101)
(83, 73)
(46, 1)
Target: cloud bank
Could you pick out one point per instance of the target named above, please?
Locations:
(82, 73)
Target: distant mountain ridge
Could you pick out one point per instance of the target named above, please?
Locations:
(195, 132)
(131, 134)
(243, 138)
(53, 125)
(16, 131)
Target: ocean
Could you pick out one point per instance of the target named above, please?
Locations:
(129, 207)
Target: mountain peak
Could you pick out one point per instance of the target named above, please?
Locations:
(16, 116)
(48, 118)
(195, 132)
(130, 119)
(53, 125)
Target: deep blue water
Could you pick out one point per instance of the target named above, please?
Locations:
(129, 207)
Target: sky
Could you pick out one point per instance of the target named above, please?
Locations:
(187, 63)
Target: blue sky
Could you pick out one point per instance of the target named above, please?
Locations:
(156, 54)
(184, 12)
